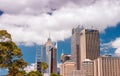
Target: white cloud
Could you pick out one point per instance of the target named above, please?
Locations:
(32, 67)
(29, 24)
(116, 44)
(36, 6)
(106, 46)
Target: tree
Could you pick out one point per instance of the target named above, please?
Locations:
(10, 54)
(54, 74)
(17, 68)
(43, 66)
(34, 73)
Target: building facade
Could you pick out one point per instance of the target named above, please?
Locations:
(84, 42)
(67, 68)
(51, 57)
(107, 66)
(89, 44)
(87, 68)
(75, 46)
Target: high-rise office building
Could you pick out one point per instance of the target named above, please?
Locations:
(75, 46)
(107, 66)
(89, 44)
(84, 45)
(53, 60)
(38, 57)
(51, 57)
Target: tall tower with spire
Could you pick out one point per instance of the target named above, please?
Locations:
(51, 56)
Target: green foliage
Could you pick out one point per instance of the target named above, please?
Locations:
(43, 66)
(4, 33)
(34, 73)
(54, 74)
(10, 55)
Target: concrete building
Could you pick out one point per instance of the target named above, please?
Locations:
(107, 66)
(67, 68)
(89, 44)
(51, 57)
(75, 46)
(77, 73)
(87, 68)
(84, 42)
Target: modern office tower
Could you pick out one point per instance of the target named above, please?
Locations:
(75, 46)
(51, 57)
(84, 45)
(89, 44)
(67, 68)
(107, 66)
(87, 68)
(53, 60)
(65, 57)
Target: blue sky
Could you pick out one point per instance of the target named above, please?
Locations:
(31, 21)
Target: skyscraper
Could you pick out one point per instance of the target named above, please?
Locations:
(38, 57)
(51, 57)
(89, 44)
(84, 45)
(75, 46)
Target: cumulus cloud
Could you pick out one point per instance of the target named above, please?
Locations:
(116, 44)
(32, 67)
(36, 6)
(29, 23)
(105, 47)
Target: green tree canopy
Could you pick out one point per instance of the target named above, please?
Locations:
(34, 73)
(54, 74)
(43, 66)
(10, 54)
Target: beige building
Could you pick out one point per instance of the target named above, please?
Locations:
(67, 68)
(87, 68)
(89, 44)
(84, 45)
(107, 66)
(77, 73)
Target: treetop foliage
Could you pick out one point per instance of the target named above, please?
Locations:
(10, 55)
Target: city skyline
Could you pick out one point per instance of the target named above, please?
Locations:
(30, 23)
(85, 48)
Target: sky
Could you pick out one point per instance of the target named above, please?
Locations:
(31, 21)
